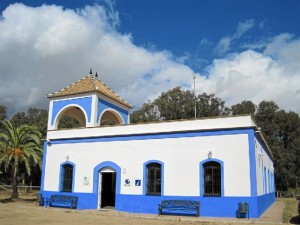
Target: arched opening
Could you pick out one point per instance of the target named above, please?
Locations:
(114, 180)
(110, 118)
(71, 117)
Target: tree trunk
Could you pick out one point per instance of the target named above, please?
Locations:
(14, 184)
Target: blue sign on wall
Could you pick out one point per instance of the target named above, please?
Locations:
(137, 182)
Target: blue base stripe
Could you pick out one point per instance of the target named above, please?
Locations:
(209, 206)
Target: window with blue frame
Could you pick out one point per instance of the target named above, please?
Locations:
(67, 178)
(212, 179)
(154, 179)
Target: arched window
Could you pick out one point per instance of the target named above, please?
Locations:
(110, 118)
(67, 178)
(71, 117)
(212, 179)
(154, 179)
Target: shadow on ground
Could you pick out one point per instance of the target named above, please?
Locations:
(295, 220)
(6, 200)
(9, 200)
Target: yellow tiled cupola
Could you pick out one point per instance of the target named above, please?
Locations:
(90, 102)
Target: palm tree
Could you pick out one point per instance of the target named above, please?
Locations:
(19, 146)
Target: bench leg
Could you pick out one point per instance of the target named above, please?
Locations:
(159, 210)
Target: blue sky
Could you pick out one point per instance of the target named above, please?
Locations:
(195, 27)
(239, 50)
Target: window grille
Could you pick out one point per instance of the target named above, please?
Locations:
(154, 179)
(67, 178)
(212, 179)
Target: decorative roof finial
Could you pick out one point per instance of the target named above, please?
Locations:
(91, 72)
(96, 75)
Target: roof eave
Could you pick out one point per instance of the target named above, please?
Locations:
(52, 96)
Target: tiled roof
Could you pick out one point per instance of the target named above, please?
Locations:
(89, 84)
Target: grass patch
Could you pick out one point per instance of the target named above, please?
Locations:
(290, 209)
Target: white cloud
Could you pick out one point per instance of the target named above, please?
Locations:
(250, 75)
(46, 48)
(224, 44)
(205, 42)
(112, 14)
(258, 45)
(243, 28)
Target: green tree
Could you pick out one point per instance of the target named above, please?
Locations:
(208, 105)
(19, 146)
(180, 104)
(175, 104)
(265, 118)
(288, 149)
(3, 112)
(245, 107)
(68, 122)
(33, 116)
(19, 118)
(171, 105)
(148, 112)
(282, 132)
(38, 118)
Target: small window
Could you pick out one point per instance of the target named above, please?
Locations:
(212, 179)
(67, 178)
(154, 179)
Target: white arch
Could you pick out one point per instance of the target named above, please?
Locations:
(60, 113)
(115, 112)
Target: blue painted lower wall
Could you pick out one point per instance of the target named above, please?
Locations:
(85, 200)
(209, 206)
(265, 201)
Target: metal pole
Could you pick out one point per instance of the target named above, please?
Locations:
(194, 77)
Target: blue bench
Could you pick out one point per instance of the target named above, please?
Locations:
(63, 201)
(179, 206)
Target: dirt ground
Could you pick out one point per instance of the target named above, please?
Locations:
(25, 212)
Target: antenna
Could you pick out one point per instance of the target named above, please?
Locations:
(195, 102)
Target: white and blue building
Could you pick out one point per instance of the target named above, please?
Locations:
(133, 167)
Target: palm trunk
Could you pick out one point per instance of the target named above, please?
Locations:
(14, 184)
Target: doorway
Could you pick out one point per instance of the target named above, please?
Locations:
(107, 194)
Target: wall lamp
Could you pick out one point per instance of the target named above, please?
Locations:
(209, 155)
(49, 144)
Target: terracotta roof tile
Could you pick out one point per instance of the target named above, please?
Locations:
(89, 84)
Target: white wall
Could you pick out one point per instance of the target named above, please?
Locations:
(263, 161)
(178, 126)
(181, 157)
